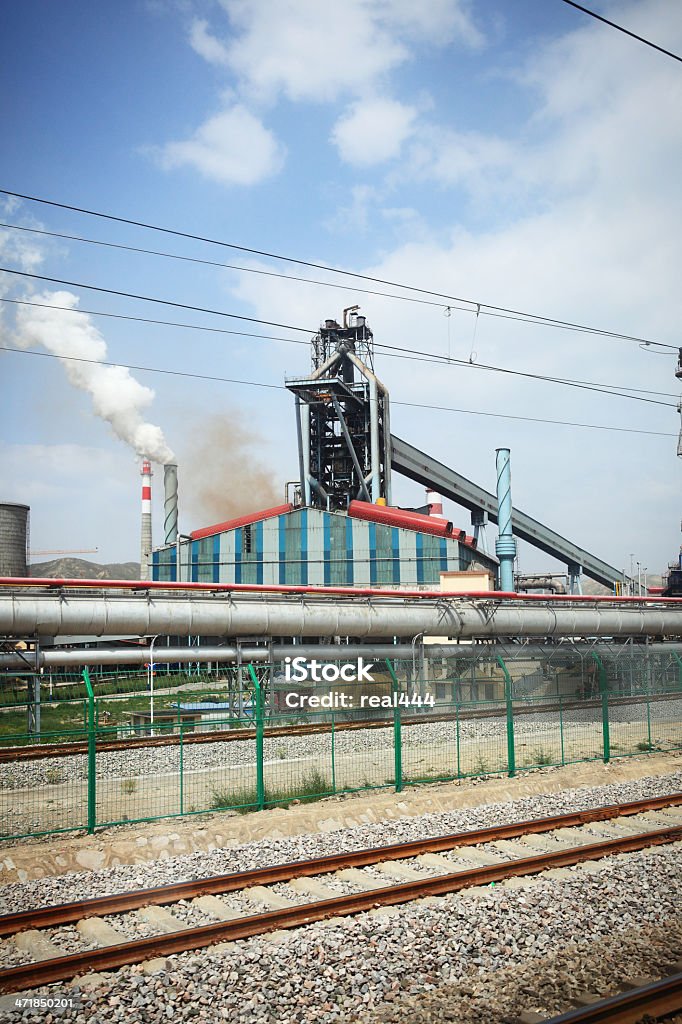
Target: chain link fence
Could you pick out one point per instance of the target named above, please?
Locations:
(98, 749)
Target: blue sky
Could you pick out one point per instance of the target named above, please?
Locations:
(513, 153)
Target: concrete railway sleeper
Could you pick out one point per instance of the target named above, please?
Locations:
(388, 881)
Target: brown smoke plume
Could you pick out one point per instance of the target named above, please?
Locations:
(222, 477)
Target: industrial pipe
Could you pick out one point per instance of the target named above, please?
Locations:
(25, 615)
(402, 517)
(375, 388)
(505, 546)
(70, 583)
(170, 503)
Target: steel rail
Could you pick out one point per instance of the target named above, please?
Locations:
(44, 750)
(649, 1001)
(66, 913)
(28, 976)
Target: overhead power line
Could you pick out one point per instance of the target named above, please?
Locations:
(281, 387)
(392, 351)
(474, 306)
(626, 31)
(149, 298)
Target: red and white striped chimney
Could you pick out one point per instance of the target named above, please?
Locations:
(435, 502)
(146, 539)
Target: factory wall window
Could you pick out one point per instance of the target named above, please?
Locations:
(384, 556)
(205, 561)
(248, 540)
(431, 554)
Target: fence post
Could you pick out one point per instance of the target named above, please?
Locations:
(260, 782)
(603, 689)
(511, 751)
(92, 753)
(397, 732)
(679, 667)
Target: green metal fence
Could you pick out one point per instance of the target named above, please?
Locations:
(134, 747)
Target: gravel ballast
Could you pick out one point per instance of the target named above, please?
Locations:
(514, 948)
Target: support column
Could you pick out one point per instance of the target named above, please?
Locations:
(505, 546)
(574, 574)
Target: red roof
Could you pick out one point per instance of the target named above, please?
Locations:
(233, 524)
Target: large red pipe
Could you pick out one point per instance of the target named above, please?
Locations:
(255, 588)
(400, 517)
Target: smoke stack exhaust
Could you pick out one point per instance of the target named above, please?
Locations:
(170, 503)
(146, 536)
(436, 502)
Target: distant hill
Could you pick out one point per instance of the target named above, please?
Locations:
(79, 568)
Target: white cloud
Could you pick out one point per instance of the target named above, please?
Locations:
(205, 44)
(590, 236)
(307, 50)
(373, 131)
(233, 148)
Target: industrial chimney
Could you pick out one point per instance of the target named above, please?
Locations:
(170, 503)
(435, 503)
(146, 536)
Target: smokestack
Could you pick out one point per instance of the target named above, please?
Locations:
(436, 502)
(505, 545)
(170, 503)
(146, 537)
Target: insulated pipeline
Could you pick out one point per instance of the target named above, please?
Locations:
(110, 615)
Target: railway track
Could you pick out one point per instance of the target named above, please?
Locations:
(654, 1000)
(340, 884)
(44, 750)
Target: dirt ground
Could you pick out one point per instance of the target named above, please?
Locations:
(136, 843)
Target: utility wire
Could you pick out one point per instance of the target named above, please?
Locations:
(483, 307)
(149, 298)
(227, 266)
(314, 281)
(395, 352)
(281, 387)
(633, 35)
(161, 323)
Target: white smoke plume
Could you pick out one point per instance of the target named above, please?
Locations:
(116, 396)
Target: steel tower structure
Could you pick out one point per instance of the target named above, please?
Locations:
(342, 419)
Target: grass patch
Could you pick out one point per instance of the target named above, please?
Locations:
(129, 786)
(539, 758)
(314, 785)
(644, 746)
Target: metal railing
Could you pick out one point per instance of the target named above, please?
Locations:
(244, 738)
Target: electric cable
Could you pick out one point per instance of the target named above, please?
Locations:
(612, 24)
(281, 387)
(484, 307)
(392, 351)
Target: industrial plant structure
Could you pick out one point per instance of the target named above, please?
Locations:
(343, 528)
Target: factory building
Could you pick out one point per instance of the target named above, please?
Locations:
(367, 546)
